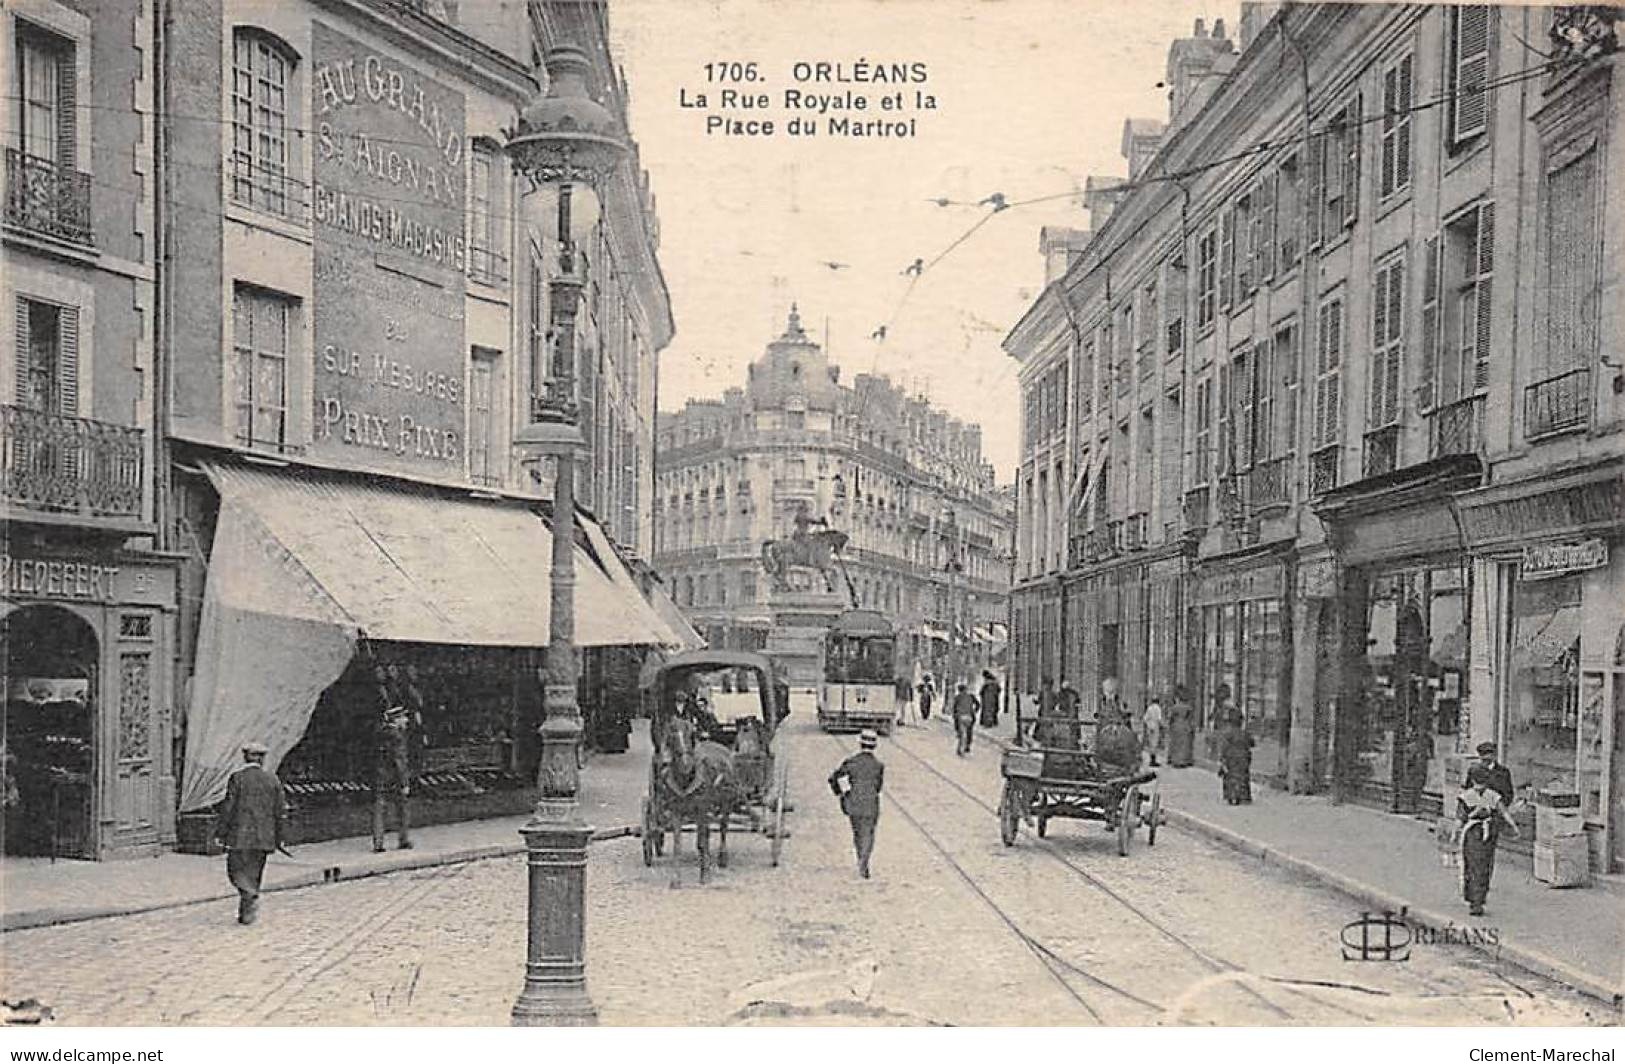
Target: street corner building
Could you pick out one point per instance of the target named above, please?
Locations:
(1324, 405)
(267, 379)
(928, 531)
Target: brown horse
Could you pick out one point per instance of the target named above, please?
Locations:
(697, 783)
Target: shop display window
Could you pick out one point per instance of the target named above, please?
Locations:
(1543, 714)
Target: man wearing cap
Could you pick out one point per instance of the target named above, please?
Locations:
(391, 772)
(964, 711)
(863, 774)
(250, 825)
(1482, 810)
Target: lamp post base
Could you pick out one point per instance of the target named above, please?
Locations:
(555, 992)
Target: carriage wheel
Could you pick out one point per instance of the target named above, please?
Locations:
(1125, 819)
(1153, 818)
(1009, 816)
(651, 835)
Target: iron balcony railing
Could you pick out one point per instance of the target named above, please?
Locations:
(1134, 532)
(1270, 483)
(59, 464)
(45, 198)
(1458, 427)
(1557, 404)
(1196, 509)
(1323, 469)
(1381, 451)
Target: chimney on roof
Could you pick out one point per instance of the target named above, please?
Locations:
(1196, 67)
(1060, 247)
(1141, 139)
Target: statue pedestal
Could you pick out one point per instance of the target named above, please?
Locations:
(801, 620)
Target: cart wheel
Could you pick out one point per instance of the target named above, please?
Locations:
(1153, 818)
(651, 835)
(1043, 825)
(1009, 816)
(1125, 820)
(777, 841)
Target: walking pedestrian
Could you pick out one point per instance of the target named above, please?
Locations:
(1236, 761)
(862, 774)
(964, 711)
(1181, 730)
(392, 775)
(1482, 810)
(249, 824)
(925, 697)
(989, 697)
(1151, 725)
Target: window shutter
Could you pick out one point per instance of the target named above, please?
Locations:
(1390, 105)
(1317, 189)
(1227, 257)
(1470, 110)
(24, 353)
(1402, 123)
(1485, 255)
(1379, 348)
(67, 104)
(1266, 240)
(1428, 371)
(67, 360)
(1351, 167)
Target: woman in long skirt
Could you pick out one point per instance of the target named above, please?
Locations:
(1236, 762)
(1181, 730)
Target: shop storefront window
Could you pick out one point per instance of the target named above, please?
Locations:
(1413, 680)
(1543, 718)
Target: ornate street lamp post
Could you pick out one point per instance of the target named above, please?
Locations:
(563, 139)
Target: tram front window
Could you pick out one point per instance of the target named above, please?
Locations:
(861, 661)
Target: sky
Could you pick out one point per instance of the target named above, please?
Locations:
(1031, 97)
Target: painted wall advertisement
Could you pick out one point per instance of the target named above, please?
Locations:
(390, 256)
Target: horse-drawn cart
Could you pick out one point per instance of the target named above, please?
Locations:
(713, 718)
(1048, 783)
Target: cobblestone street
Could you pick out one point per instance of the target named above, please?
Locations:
(954, 928)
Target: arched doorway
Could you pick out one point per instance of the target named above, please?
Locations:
(49, 657)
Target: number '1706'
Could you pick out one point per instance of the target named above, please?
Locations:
(732, 72)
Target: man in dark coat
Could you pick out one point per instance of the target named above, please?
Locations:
(391, 773)
(964, 713)
(1482, 810)
(863, 775)
(989, 697)
(926, 694)
(250, 825)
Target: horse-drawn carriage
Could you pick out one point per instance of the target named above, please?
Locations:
(1064, 781)
(713, 717)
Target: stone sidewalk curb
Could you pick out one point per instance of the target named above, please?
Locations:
(1379, 900)
(363, 868)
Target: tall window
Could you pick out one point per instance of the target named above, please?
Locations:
(486, 261)
(1207, 284)
(47, 357)
(1086, 381)
(1288, 213)
(1204, 432)
(45, 91)
(1387, 342)
(1572, 256)
(1288, 373)
(259, 121)
(261, 323)
(1264, 225)
(1328, 421)
(1469, 250)
(1469, 70)
(1227, 257)
(1173, 306)
(1259, 417)
(1336, 174)
(1396, 127)
(481, 423)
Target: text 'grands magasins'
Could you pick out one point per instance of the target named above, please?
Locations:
(857, 100)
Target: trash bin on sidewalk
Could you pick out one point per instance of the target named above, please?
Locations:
(1562, 854)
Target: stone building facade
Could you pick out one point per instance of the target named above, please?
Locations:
(88, 603)
(1324, 409)
(930, 532)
